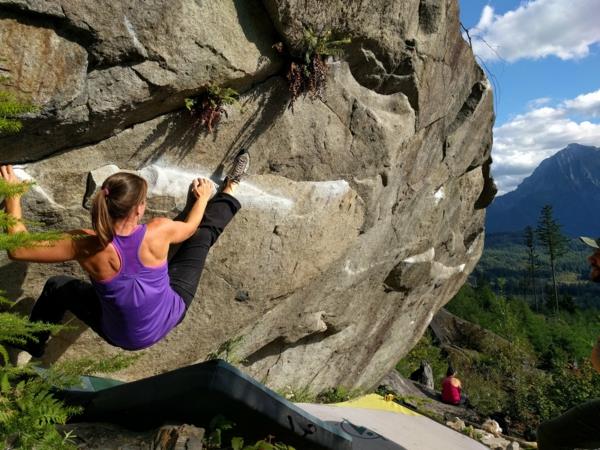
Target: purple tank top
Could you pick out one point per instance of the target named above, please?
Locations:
(139, 307)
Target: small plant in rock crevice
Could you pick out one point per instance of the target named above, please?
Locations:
(208, 106)
(308, 75)
(228, 351)
(296, 395)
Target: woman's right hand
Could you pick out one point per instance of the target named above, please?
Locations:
(202, 188)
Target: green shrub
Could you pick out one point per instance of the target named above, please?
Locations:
(337, 395)
(542, 372)
(424, 350)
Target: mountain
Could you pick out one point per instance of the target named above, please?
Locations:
(569, 181)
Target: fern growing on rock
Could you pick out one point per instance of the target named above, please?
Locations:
(208, 106)
(308, 75)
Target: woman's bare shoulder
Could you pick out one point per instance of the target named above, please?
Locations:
(158, 223)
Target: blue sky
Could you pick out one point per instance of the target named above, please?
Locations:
(545, 68)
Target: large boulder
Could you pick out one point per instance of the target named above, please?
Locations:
(362, 216)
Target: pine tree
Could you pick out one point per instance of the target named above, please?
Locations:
(529, 237)
(10, 110)
(550, 236)
(28, 412)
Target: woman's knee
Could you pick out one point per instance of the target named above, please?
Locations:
(54, 283)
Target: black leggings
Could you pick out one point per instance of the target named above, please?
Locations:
(62, 293)
(579, 427)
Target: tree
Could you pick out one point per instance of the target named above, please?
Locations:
(554, 241)
(10, 109)
(529, 237)
(28, 411)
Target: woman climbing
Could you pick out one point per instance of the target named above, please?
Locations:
(135, 296)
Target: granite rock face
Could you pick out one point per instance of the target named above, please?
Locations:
(362, 215)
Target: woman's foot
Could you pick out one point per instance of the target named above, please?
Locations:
(239, 168)
(230, 186)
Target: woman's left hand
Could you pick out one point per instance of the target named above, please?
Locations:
(8, 174)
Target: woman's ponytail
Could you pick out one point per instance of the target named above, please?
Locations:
(120, 193)
(102, 223)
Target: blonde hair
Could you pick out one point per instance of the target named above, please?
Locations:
(120, 193)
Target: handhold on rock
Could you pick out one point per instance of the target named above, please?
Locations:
(242, 296)
(95, 179)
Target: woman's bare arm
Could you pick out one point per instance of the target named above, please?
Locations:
(178, 231)
(60, 250)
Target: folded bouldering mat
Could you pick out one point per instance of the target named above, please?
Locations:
(195, 395)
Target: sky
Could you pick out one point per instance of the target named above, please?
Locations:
(543, 60)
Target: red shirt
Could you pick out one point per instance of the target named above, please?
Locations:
(450, 393)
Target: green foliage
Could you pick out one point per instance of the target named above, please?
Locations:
(554, 242)
(28, 409)
(207, 107)
(12, 190)
(297, 395)
(322, 44)
(18, 330)
(10, 110)
(308, 74)
(16, 240)
(337, 394)
(21, 240)
(68, 373)
(425, 350)
(219, 425)
(531, 278)
(227, 351)
(28, 415)
(549, 233)
(541, 372)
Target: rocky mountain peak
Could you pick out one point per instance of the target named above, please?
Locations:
(569, 181)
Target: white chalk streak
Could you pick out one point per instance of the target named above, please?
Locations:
(439, 195)
(24, 176)
(426, 256)
(441, 272)
(133, 35)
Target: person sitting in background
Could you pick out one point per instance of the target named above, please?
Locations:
(452, 389)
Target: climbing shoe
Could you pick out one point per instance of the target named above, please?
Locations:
(239, 167)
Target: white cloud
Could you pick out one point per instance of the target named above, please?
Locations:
(585, 104)
(523, 142)
(537, 102)
(538, 28)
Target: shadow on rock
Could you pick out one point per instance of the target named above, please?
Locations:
(177, 134)
(12, 277)
(59, 343)
(271, 102)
